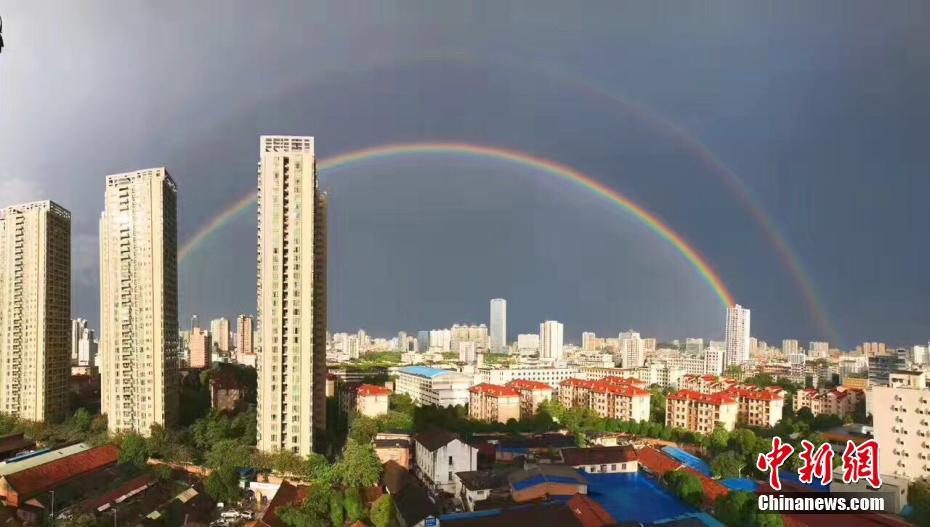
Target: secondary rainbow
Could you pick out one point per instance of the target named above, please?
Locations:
(650, 220)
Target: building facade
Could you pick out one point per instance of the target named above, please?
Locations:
(35, 310)
(245, 336)
(219, 330)
(737, 335)
(498, 325)
(201, 344)
(550, 340)
(493, 403)
(432, 386)
(532, 394)
(610, 397)
(902, 426)
(700, 412)
(291, 296)
(139, 301)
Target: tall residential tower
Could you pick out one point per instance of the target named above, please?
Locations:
(291, 296)
(35, 310)
(139, 301)
(737, 335)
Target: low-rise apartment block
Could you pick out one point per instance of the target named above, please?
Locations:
(532, 394)
(611, 397)
(493, 403)
(700, 412)
(839, 401)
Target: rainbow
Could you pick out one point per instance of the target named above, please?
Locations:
(650, 220)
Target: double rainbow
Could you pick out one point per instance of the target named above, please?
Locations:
(544, 166)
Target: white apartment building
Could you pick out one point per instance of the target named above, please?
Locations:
(588, 341)
(550, 376)
(790, 346)
(291, 296)
(902, 428)
(35, 310)
(737, 334)
(694, 346)
(632, 351)
(818, 349)
(432, 386)
(528, 344)
(439, 340)
(139, 301)
(550, 340)
(498, 325)
(714, 359)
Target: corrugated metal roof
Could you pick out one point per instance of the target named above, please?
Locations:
(7, 467)
(424, 371)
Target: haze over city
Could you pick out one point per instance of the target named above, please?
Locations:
(736, 126)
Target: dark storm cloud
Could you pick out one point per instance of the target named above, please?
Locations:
(819, 108)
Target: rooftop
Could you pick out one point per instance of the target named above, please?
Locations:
(481, 479)
(523, 384)
(494, 390)
(436, 438)
(709, 398)
(371, 389)
(43, 477)
(424, 371)
(26, 461)
(598, 455)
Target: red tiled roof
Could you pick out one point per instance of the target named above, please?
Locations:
(710, 398)
(287, 494)
(38, 479)
(371, 389)
(625, 381)
(494, 390)
(618, 386)
(589, 513)
(748, 393)
(523, 384)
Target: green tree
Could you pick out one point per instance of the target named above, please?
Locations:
(359, 465)
(918, 496)
(355, 507)
(83, 519)
(133, 449)
(657, 405)
(685, 485)
(719, 438)
(739, 508)
(223, 484)
(382, 511)
(314, 511)
(727, 464)
(362, 428)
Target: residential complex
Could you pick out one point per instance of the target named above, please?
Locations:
(611, 397)
(291, 296)
(700, 412)
(35, 310)
(532, 394)
(201, 346)
(219, 330)
(139, 301)
(245, 338)
(840, 401)
(493, 403)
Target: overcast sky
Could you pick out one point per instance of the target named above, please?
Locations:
(819, 108)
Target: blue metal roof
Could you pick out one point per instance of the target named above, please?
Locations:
(425, 371)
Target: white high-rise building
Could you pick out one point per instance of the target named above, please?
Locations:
(439, 340)
(78, 326)
(139, 301)
(919, 355)
(550, 340)
(632, 351)
(291, 296)
(588, 339)
(498, 325)
(528, 344)
(737, 335)
(219, 329)
(818, 350)
(694, 346)
(790, 347)
(35, 310)
(713, 361)
(87, 348)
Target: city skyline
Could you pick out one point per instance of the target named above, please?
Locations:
(812, 170)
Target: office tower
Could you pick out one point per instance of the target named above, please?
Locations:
(588, 341)
(498, 325)
(139, 301)
(244, 337)
(550, 340)
(195, 323)
(35, 310)
(632, 352)
(402, 341)
(291, 296)
(219, 331)
(423, 341)
(78, 326)
(87, 348)
(694, 346)
(818, 350)
(737, 335)
(201, 349)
